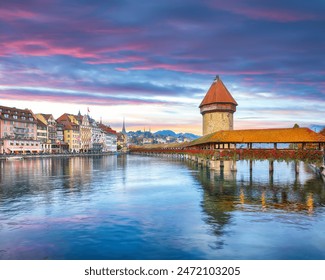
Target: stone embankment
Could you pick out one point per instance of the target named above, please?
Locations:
(5, 157)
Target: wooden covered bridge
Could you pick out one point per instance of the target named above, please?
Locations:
(290, 144)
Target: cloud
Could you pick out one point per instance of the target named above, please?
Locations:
(268, 10)
(51, 95)
(115, 52)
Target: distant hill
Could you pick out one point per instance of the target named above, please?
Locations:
(316, 127)
(189, 135)
(165, 133)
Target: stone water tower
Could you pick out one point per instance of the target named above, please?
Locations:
(217, 108)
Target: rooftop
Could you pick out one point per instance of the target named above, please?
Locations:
(274, 135)
(218, 93)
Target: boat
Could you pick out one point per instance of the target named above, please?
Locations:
(14, 158)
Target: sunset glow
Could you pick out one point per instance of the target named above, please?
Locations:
(151, 62)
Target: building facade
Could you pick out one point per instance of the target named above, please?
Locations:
(217, 108)
(42, 136)
(109, 138)
(96, 137)
(18, 131)
(86, 143)
(71, 131)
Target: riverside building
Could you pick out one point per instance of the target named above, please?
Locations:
(18, 131)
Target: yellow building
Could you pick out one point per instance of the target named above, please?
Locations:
(71, 131)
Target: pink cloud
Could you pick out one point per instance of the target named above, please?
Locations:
(10, 15)
(113, 60)
(266, 13)
(272, 14)
(87, 99)
(194, 69)
(42, 48)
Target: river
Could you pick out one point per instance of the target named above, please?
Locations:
(138, 207)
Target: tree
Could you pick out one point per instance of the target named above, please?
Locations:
(296, 125)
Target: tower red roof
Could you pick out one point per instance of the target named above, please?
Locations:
(218, 93)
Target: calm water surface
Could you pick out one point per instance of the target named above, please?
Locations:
(133, 207)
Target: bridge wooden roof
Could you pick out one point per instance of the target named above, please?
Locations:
(275, 135)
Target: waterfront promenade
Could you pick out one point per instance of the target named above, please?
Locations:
(62, 155)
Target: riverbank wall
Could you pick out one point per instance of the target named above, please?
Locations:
(5, 157)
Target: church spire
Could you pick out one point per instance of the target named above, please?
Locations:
(123, 128)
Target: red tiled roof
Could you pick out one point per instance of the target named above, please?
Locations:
(218, 93)
(107, 129)
(13, 113)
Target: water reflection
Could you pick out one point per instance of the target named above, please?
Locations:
(132, 207)
(272, 199)
(254, 191)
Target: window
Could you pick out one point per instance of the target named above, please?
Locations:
(6, 115)
(15, 117)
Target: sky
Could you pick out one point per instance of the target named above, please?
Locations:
(152, 62)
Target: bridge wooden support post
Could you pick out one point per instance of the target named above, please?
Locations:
(250, 165)
(322, 170)
(214, 164)
(297, 167)
(233, 165)
(271, 166)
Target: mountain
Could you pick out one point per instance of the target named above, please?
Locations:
(189, 135)
(165, 133)
(316, 127)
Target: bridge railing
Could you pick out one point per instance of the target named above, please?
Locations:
(310, 156)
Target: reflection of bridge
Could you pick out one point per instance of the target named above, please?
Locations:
(260, 192)
(289, 144)
(265, 196)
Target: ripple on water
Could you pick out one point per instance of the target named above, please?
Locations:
(135, 207)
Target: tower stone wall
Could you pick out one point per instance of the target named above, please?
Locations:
(216, 121)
